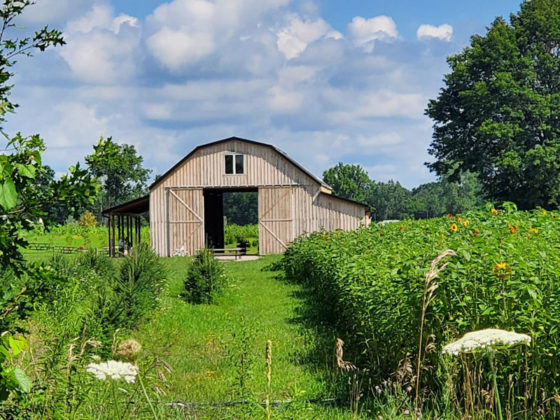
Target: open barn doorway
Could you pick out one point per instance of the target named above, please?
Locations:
(231, 219)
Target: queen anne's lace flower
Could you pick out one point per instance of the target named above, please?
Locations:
(487, 338)
(114, 370)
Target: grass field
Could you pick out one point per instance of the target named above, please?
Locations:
(217, 351)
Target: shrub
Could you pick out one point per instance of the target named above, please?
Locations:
(87, 219)
(138, 286)
(205, 278)
(99, 262)
(235, 233)
(368, 284)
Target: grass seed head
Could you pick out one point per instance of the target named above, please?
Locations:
(129, 349)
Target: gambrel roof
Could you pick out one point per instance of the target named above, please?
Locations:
(202, 146)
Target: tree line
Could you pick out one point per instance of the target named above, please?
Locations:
(390, 200)
(116, 168)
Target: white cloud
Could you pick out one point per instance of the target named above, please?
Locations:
(384, 173)
(158, 112)
(54, 11)
(366, 31)
(182, 33)
(388, 104)
(443, 32)
(102, 48)
(198, 70)
(334, 35)
(291, 75)
(176, 49)
(349, 105)
(383, 139)
(298, 34)
(284, 101)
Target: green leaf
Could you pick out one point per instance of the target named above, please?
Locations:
(22, 380)
(27, 171)
(8, 194)
(17, 345)
(15, 379)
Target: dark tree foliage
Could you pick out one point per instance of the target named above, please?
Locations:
(390, 200)
(435, 199)
(56, 212)
(119, 169)
(498, 114)
(349, 181)
(241, 208)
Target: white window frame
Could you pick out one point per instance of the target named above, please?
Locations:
(234, 163)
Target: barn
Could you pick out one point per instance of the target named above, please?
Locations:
(186, 206)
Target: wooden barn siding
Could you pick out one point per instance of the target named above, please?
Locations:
(294, 211)
(266, 169)
(275, 219)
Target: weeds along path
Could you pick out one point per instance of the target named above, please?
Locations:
(217, 351)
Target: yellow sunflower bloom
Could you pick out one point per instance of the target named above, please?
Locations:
(494, 212)
(454, 227)
(502, 270)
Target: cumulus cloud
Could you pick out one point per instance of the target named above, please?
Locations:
(102, 48)
(366, 31)
(443, 32)
(182, 33)
(284, 101)
(54, 11)
(175, 48)
(383, 139)
(294, 38)
(197, 70)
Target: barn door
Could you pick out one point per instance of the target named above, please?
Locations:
(275, 219)
(185, 216)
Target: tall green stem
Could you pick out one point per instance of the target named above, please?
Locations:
(495, 381)
(115, 399)
(147, 397)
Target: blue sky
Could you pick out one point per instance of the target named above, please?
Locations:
(327, 81)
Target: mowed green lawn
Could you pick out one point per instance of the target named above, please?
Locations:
(217, 352)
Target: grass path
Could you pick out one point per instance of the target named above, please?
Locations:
(217, 352)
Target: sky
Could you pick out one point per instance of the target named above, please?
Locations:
(326, 81)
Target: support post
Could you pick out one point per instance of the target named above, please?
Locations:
(109, 234)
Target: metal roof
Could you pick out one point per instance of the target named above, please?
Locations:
(136, 206)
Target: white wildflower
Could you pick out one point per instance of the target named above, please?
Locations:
(114, 370)
(487, 338)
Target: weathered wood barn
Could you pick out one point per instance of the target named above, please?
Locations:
(186, 205)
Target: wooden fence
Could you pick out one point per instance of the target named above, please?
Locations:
(41, 246)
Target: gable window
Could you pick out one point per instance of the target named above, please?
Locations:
(234, 164)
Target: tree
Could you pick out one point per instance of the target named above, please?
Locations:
(10, 49)
(21, 197)
(435, 199)
(349, 181)
(119, 169)
(390, 200)
(241, 208)
(498, 114)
